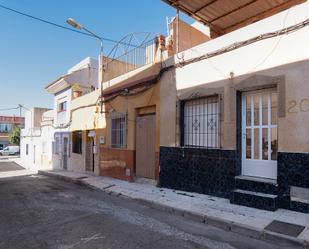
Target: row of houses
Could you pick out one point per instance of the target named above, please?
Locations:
(223, 112)
(7, 125)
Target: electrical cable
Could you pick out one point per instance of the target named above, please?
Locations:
(237, 45)
(60, 26)
(274, 47)
(9, 109)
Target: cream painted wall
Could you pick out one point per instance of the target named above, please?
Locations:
(168, 100)
(287, 56)
(293, 128)
(293, 131)
(86, 112)
(131, 105)
(255, 57)
(78, 161)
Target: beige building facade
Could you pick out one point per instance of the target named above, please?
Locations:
(224, 114)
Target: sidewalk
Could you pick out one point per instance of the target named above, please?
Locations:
(13, 171)
(203, 208)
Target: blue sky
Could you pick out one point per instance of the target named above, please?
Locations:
(32, 54)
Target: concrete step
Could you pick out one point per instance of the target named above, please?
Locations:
(299, 199)
(299, 204)
(254, 199)
(256, 184)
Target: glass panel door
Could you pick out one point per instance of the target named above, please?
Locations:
(259, 133)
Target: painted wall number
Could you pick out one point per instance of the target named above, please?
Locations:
(295, 106)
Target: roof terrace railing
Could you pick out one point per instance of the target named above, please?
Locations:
(138, 57)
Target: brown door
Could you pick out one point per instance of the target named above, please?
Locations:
(145, 146)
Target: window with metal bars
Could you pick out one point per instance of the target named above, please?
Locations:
(118, 130)
(200, 122)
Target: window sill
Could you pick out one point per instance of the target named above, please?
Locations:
(118, 148)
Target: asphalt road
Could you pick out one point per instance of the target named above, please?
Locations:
(42, 212)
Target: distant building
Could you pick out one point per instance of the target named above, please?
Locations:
(7, 123)
(45, 140)
(80, 80)
(34, 150)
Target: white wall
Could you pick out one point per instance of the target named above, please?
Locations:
(255, 57)
(34, 137)
(28, 119)
(93, 63)
(64, 117)
(32, 160)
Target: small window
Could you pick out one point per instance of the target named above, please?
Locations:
(77, 142)
(118, 130)
(62, 106)
(5, 128)
(27, 149)
(200, 127)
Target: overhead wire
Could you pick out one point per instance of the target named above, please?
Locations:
(237, 45)
(9, 109)
(274, 47)
(61, 26)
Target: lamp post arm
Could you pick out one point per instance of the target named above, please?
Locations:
(76, 25)
(101, 63)
(90, 32)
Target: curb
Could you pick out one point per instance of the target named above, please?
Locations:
(61, 177)
(264, 235)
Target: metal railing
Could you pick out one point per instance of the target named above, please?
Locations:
(140, 56)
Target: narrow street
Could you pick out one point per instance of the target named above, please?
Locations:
(42, 212)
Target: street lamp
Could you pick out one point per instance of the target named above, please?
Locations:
(77, 25)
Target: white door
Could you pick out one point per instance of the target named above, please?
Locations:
(259, 134)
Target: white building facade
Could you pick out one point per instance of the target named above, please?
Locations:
(35, 139)
(80, 79)
(46, 140)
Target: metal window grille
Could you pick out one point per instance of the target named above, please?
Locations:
(200, 122)
(118, 130)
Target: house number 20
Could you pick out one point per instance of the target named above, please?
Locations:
(298, 106)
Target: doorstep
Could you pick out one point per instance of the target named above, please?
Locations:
(203, 208)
